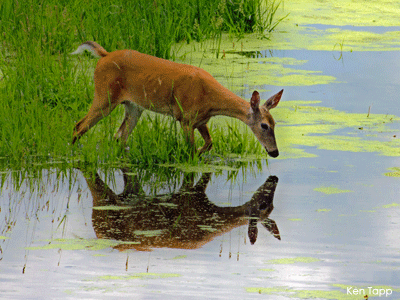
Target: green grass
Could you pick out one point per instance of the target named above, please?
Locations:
(44, 91)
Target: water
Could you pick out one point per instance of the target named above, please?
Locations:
(329, 243)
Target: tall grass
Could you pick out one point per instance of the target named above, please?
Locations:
(43, 91)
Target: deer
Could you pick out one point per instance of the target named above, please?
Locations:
(182, 219)
(187, 93)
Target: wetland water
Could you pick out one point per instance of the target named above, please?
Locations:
(333, 232)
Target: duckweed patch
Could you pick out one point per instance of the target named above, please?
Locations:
(331, 190)
(136, 276)
(321, 26)
(395, 172)
(179, 257)
(391, 205)
(148, 233)
(78, 244)
(334, 39)
(241, 65)
(303, 123)
(302, 294)
(288, 261)
(207, 228)
(331, 12)
(111, 207)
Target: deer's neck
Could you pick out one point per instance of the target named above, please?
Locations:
(233, 106)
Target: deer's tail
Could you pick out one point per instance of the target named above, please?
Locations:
(92, 47)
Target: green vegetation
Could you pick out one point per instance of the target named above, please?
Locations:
(331, 190)
(44, 91)
(293, 260)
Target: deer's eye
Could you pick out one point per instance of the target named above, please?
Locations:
(264, 126)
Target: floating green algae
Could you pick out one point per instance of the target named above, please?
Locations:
(302, 294)
(111, 207)
(136, 276)
(343, 12)
(179, 257)
(242, 64)
(323, 209)
(395, 172)
(391, 205)
(79, 244)
(306, 124)
(148, 233)
(337, 40)
(331, 190)
(268, 291)
(207, 228)
(287, 261)
(302, 28)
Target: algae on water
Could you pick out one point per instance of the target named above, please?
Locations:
(331, 190)
(293, 260)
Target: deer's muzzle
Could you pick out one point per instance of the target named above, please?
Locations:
(274, 153)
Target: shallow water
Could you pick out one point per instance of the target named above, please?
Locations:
(337, 213)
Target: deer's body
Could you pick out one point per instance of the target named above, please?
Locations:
(187, 93)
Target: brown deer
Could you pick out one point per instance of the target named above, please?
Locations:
(187, 93)
(186, 219)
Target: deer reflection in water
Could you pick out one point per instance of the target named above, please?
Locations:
(186, 219)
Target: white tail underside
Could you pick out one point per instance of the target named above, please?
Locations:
(82, 49)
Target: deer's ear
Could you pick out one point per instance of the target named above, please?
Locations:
(271, 226)
(255, 101)
(273, 101)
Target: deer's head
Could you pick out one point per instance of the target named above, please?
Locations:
(262, 123)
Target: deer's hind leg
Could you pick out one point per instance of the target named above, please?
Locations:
(132, 115)
(205, 133)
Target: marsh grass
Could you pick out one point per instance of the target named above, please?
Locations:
(44, 91)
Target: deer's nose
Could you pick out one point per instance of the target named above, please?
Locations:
(274, 153)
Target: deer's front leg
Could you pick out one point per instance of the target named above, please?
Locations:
(205, 133)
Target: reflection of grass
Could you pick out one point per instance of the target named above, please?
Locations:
(39, 190)
(340, 45)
